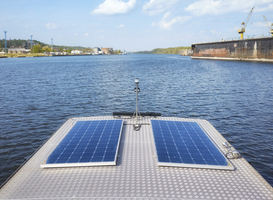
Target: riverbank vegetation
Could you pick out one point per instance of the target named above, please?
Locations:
(171, 50)
(14, 43)
(10, 55)
(38, 47)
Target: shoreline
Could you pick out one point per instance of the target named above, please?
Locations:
(28, 56)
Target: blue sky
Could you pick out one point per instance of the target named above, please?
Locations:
(132, 25)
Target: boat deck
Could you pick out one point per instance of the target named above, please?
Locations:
(136, 175)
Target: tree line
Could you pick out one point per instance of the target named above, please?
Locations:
(171, 50)
(38, 47)
(19, 43)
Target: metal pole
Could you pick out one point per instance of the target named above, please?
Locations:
(5, 41)
(137, 126)
(136, 101)
(31, 44)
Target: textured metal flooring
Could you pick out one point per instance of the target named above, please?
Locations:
(136, 175)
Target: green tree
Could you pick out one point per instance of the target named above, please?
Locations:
(46, 49)
(171, 50)
(117, 52)
(61, 49)
(37, 48)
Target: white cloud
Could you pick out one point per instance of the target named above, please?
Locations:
(217, 7)
(86, 34)
(121, 26)
(51, 26)
(216, 32)
(111, 7)
(155, 7)
(166, 22)
(76, 34)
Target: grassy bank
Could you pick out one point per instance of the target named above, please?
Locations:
(8, 55)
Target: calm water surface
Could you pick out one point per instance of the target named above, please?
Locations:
(37, 95)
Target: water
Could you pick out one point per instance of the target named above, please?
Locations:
(37, 95)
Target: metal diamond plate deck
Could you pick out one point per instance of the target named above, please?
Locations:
(136, 175)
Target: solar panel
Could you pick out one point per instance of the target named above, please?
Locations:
(185, 144)
(88, 143)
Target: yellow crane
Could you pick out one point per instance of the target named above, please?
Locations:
(270, 27)
(243, 26)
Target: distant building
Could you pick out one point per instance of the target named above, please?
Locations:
(107, 50)
(56, 49)
(27, 44)
(18, 50)
(76, 52)
(96, 50)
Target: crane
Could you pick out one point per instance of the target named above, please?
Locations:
(270, 27)
(244, 24)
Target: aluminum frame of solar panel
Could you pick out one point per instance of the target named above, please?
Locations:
(87, 144)
(186, 144)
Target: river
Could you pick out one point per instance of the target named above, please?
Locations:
(38, 94)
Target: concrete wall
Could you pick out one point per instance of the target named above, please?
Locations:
(248, 48)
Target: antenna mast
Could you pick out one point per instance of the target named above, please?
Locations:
(31, 43)
(136, 114)
(5, 41)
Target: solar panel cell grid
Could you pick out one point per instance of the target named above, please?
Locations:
(185, 143)
(88, 141)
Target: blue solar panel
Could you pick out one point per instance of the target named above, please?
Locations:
(89, 142)
(183, 142)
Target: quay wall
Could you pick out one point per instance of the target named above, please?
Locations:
(248, 49)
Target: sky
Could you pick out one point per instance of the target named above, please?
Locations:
(133, 25)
